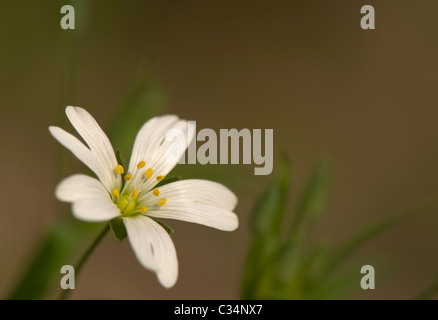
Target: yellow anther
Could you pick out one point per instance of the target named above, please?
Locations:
(148, 173)
(128, 177)
(156, 192)
(116, 193)
(135, 194)
(159, 178)
(143, 209)
(141, 164)
(119, 169)
(162, 201)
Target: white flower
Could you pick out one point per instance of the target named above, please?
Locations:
(136, 200)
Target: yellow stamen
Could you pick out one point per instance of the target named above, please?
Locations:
(148, 173)
(128, 177)
(116, 193)
(141, 164)
(119, 169)
(143, 209)
(162, 201)
(135, 194)
(159, 178)
(156, 192)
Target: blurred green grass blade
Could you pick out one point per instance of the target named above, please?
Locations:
(267, 214)
(266, 223)
(256, 267)
(289, 261)
(58, 248)
(315, 196)
(297, 269)
(292, 256)
(304, 264)
(337, 287)
(429, 293)
(375, 230)
(143, 101)
(250, 271)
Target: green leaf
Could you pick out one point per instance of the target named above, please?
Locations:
(267, 214)
(165, 226)
(118, 228)
(59, 247)
(291, 256)
(315, 196)
(296, 268)
(256, 270)
(289, 261)
(266, 221)
(375, 230)
(337, 287)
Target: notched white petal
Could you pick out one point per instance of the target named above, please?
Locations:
(69, 141)
(152, 147)
(148, 137)
(75, 146)
(97, 141)
(153, 248)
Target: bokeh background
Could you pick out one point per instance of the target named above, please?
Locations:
(367, 99)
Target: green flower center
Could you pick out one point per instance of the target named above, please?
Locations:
(127, 199)
(126, 205)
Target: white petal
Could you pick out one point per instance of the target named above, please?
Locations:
(78, 187)
(198, 191)
(151, 146)
(76, 147)
(91, 201)
(95, 210)
(150, 134)
(83, 154)
(97, 141)
(196, 213)
(153, 248)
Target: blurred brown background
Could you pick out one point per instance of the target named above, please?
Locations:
(305, 68)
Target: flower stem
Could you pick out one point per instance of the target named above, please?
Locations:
(65, 293)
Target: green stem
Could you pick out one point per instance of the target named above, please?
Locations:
(65, 293)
